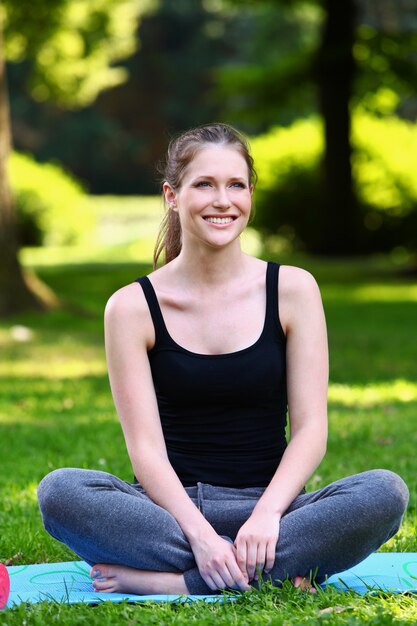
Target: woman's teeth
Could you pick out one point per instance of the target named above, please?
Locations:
(219, 220)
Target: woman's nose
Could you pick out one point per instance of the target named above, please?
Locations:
(221, 199)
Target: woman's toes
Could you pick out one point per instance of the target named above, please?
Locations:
(304, 584)
(100, 572)
(102, 578)
(100, 583)
(105, 585)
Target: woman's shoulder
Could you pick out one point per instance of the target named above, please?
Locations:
(127, 304)
(301, 310)
(299, 295)
(296, 281)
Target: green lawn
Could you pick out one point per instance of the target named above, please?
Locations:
(56, 410)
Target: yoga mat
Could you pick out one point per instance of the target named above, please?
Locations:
(71, 583)
(381, 571)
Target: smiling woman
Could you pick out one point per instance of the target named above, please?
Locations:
(206, 356)
(215, 189)
(180, 156)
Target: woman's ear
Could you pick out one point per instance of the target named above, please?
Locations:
(169, 195)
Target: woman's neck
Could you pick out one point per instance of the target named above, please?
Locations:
(211, 267)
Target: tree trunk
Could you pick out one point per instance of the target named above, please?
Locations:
(335, 72)
(15, 295)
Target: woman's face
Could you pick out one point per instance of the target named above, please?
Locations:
(215, 198)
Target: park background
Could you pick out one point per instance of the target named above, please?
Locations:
(326, 91)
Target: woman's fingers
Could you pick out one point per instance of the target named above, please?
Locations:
(240, 579)
(215, 581)
(224, 578)
(254, 559)
(256, 544)
(222, 571)
(241, 557)
(270, 556)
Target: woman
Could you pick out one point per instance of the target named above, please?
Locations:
(204, 356)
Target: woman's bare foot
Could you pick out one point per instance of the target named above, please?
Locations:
(123, 579)
(304, 584)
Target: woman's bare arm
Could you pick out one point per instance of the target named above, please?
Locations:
(302, 317)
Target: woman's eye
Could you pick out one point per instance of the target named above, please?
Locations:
(206, 183)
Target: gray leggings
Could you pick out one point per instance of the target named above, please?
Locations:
(106, 520)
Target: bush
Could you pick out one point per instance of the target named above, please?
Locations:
(50, 204)
(384, 164)
(289, 194)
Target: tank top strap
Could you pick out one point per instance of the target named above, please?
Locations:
(272, 304)
(161, 333)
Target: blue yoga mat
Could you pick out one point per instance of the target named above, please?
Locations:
(71, 583)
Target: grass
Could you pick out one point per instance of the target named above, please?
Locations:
(56, 410)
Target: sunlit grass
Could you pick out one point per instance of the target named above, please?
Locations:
(373, 394)
(405, 292)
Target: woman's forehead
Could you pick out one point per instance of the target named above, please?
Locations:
(217, 160)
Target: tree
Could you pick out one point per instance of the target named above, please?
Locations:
(74, 46)
(13, 288)
(335, 70)
(382, 34)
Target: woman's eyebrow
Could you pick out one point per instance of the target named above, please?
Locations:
(208, 177)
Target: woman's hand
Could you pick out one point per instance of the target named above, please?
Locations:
(256, 543)
(217, 564)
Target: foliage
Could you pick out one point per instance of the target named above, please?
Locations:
(272, 79)
(51, 204)
(385, 163)
(289, 196)
(261, 53)
(268, 79)
(384, 51)
(116, 142)
(56, 410)
(74, 45)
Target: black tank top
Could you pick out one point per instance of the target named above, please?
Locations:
(223, 416)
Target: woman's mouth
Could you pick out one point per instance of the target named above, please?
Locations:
(219, 220)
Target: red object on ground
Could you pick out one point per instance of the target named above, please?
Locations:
(4, 586)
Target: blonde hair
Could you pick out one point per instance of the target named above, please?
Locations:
(181, 151)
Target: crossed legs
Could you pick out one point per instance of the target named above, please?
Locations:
(137, 546)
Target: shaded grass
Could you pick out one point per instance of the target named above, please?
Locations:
(56, 410)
